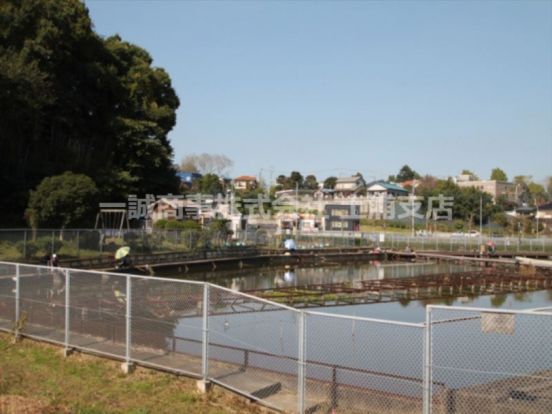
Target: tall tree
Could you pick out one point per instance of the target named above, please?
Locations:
(295, 180)
(71, 100)
(330, 182)
(406, 173)
(498, 175)
(210, 184)
(206, 163)
(537, 193)
(310, 183)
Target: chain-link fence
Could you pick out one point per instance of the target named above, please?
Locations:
(443, 242)
(489, 361)
(460, 360)
(360, 365)
(28, 244)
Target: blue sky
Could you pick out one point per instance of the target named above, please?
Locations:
(333, 88)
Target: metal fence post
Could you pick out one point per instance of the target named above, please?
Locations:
(128, 319)
(17, 299)
(67, 305)
(25, 244)
(427, 363)
(78, 243)
(301, 362)
(205, 332)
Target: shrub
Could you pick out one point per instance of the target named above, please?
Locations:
(89, 240)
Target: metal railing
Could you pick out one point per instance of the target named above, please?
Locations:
(445, 242)
(287, 359)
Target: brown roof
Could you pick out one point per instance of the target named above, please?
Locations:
(245, 178)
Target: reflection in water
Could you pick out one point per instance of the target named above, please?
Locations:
(269, 277)
(403, 310)
(498, 300)
(289, 276)
(521, 297)
(414, 311)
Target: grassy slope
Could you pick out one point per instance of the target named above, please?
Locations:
(35, 378)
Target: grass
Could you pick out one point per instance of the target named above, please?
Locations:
(36, 378)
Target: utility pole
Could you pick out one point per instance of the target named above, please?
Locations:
(537, 216)
(412, 209)
(297, 208)
(481, 214)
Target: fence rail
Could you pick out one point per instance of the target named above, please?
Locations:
(460, 360)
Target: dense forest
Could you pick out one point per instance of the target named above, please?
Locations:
(72, 100)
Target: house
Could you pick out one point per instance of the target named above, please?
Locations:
(379, 193)
(544, 214)
(191, 208)
(347, 186)
(342, 217)
(245, 183)
(380, 188)
(172, 209)
(187, 179)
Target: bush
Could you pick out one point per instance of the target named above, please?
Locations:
(160, 224)
(89, 240)
(9, 250)
(47, 244)
(183, 225)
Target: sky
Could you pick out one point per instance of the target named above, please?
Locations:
(336, 87)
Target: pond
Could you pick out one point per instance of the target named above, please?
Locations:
(406, 311)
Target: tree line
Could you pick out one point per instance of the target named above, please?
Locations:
(73, 101)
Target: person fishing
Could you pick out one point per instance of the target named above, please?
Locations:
(122, 257)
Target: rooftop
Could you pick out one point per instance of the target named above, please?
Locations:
(245, 178)
(388, 186)
(352, 179)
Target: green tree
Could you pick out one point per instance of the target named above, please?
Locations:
(406, 173)
(498, 175)
(310, 183)
(465, 200)
(71, 100)
(210, 184)
(295, 180)
(329, 182)
(537, 193)
(63, 200)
